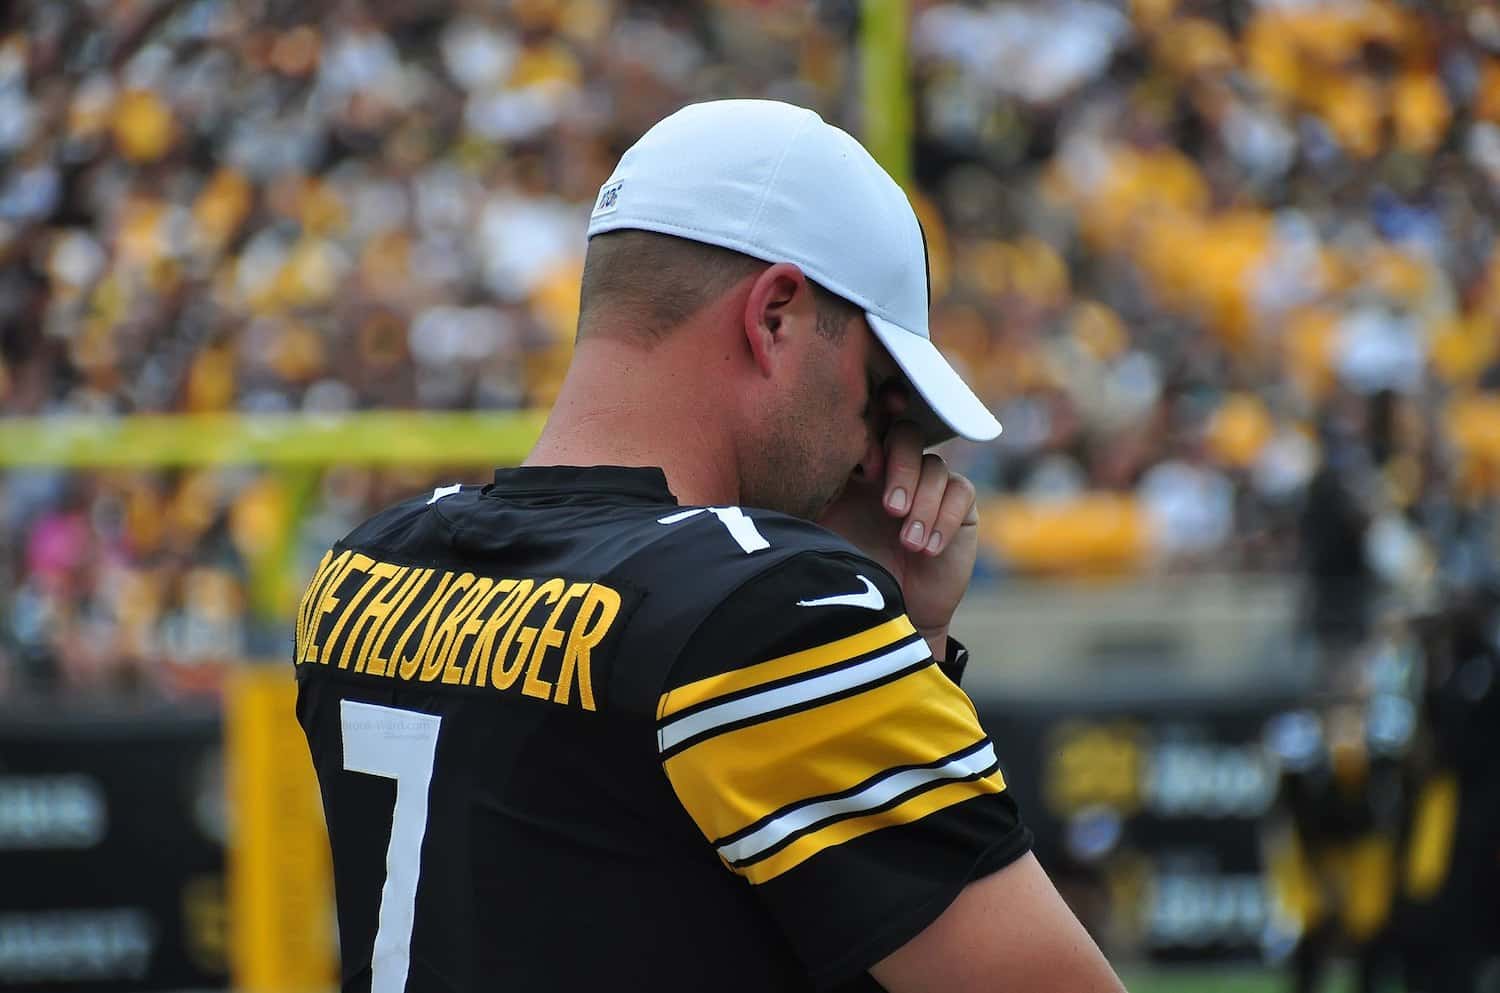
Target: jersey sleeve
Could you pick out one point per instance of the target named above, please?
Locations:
(831, 763)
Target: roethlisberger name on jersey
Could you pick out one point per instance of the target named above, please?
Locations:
(455, 628)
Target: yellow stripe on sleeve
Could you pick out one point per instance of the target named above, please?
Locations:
(734, 779)
(839, 832)
(797, 663)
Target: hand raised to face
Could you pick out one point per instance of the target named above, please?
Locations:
(919, 519)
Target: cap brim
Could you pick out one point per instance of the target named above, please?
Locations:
(955, 408)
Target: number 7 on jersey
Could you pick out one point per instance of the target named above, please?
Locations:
(399, 745)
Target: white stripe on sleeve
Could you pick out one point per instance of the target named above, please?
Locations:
(803, 691)
(880, 792)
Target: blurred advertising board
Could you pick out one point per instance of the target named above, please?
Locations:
(112, 833)
(164, 850)
(1148, 814)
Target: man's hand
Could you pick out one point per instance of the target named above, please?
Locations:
(919, 520)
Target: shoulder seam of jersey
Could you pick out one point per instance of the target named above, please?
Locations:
(455, 530)
(408, 505)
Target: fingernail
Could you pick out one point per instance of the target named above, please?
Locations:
(934, 542)
(914, 533)
(898, 500)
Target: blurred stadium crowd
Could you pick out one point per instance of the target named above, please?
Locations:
(1226, 270)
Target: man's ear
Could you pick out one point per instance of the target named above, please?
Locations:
(774, 296)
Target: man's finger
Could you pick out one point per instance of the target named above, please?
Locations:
(958, 509)
(903, 467)
(926, 504)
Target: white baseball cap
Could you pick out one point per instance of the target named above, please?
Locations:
(776, 182)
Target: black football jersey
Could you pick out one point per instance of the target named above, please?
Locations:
(572, 736)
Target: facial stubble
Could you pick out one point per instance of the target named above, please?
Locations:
(804, 465)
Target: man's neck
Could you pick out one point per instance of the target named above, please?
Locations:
(622, 405)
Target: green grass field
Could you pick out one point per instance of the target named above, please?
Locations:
(1202, 981)
(1226, 980)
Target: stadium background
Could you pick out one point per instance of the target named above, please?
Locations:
(1225, 269)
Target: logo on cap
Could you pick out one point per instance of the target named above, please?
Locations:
(609, 198)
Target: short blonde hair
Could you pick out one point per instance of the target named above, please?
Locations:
(659, 281)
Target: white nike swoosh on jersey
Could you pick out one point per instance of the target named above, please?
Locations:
(870, 599)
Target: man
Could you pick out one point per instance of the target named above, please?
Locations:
(626, 718)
